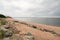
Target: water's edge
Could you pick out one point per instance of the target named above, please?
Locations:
(47, 21)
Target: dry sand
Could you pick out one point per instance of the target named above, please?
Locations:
(41, 32)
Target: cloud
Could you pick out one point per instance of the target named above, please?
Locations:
(30, 8)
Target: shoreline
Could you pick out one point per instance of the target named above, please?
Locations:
(52, 22)
(38, 31)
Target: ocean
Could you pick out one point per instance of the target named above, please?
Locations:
(47, 21)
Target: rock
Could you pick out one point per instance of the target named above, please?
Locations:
(3, 28)
(8, 33)
(29, 36)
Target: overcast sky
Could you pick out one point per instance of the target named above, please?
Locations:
(30, 8)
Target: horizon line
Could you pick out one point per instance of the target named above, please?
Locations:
(44, 17)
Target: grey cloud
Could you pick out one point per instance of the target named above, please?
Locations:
(36, 8)
(50, 8)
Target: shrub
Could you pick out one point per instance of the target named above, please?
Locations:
(50, 31)
(2, 22)
(34, 26)
(1, 34)
(8, 17)
(2, 16)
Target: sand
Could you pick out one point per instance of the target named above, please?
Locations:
(39, 31)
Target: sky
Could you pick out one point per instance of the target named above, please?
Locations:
(30, 8)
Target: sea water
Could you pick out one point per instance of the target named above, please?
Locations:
(47, 21)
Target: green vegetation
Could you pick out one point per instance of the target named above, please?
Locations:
(1, 34)
(2, 16)
(8, 17)
(2, 21)
(5, 32)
